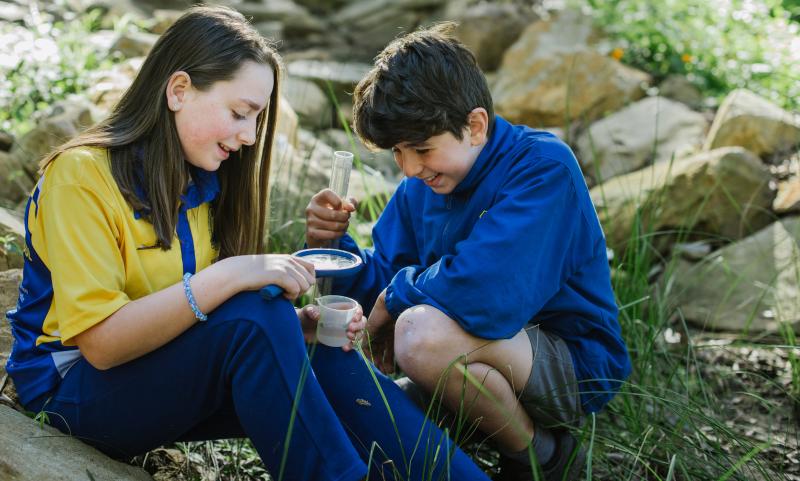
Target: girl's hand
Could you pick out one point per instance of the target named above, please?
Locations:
(327, 217)
(252, 272)
(309, 316)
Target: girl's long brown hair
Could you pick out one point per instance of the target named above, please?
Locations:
(209, 44)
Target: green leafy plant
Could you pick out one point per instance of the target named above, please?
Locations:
(719, 44)
(45, 62)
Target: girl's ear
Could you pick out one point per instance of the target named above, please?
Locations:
(177, 89)
(478, 124)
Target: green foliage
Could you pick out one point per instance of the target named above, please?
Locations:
(45, 62)
(718, 44)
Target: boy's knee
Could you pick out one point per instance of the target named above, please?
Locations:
(420, 333)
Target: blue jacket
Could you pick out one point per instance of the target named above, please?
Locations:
(517, 242)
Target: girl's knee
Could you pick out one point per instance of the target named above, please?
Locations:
(276, 318)
(250, 305)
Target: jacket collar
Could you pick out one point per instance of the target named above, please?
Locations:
(497, 144)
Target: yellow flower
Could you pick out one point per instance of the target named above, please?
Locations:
(686, 58)
(617, 53)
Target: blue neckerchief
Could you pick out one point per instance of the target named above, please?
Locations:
(203, 187)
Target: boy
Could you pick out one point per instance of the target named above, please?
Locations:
(489, 253)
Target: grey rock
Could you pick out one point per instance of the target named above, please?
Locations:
(723, 193)
(12, 239)
(788, 198)
(753, 122)
(296, 19)
(340, 76)
(64, 121)
(554, 75)
(488, 29)
(372, 24)
(15, 183)
(680, 89)
(10, 12)
(6, 140)
(162, 19)
(308, 101)
(134, 44)
(654, 129)
(748, 286)
(30, 452)
(9, 291)
(271, 30)
(692, 250)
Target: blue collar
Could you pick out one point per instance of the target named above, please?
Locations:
(203, 186)
(498, 143)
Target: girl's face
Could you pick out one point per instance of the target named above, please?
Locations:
(214, 123)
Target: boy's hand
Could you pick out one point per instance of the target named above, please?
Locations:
(327, 218)
(380, 327)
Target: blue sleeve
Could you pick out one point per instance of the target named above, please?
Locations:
(394, 247)
(517, 256)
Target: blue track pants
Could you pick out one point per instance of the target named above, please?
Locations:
(246, 372)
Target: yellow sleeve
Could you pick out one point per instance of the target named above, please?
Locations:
(80, 232)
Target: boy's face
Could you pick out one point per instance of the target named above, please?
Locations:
(441, 161)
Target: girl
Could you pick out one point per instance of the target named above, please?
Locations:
(137, 322)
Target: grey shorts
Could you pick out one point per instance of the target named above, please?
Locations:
(551, 397)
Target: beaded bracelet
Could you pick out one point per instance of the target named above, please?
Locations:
(192, 303)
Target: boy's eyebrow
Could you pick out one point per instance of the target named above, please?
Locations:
(422, 143)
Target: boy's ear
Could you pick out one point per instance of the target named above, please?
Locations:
(177, 89)
(478, 124)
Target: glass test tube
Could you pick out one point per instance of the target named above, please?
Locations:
(340, 181)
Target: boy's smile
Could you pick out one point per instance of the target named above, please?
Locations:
(442, 161)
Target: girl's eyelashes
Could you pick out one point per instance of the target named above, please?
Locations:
(422, 151)
(237, 115)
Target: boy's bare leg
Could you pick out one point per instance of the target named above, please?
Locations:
(426, 343)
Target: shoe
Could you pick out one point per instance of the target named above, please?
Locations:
(568, 460)
(512, 470)
(562, 467)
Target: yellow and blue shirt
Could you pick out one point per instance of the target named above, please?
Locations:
(87, 254)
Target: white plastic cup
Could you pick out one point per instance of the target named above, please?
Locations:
(335, 312)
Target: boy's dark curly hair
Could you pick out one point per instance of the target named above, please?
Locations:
(423, 84)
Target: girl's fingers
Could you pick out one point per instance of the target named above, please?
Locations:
(354, 327)
(312, 312)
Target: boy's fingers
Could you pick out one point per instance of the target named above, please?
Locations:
(327, 197)
(329, 225)
(320, 234)
(327, 214)
(350, 205)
